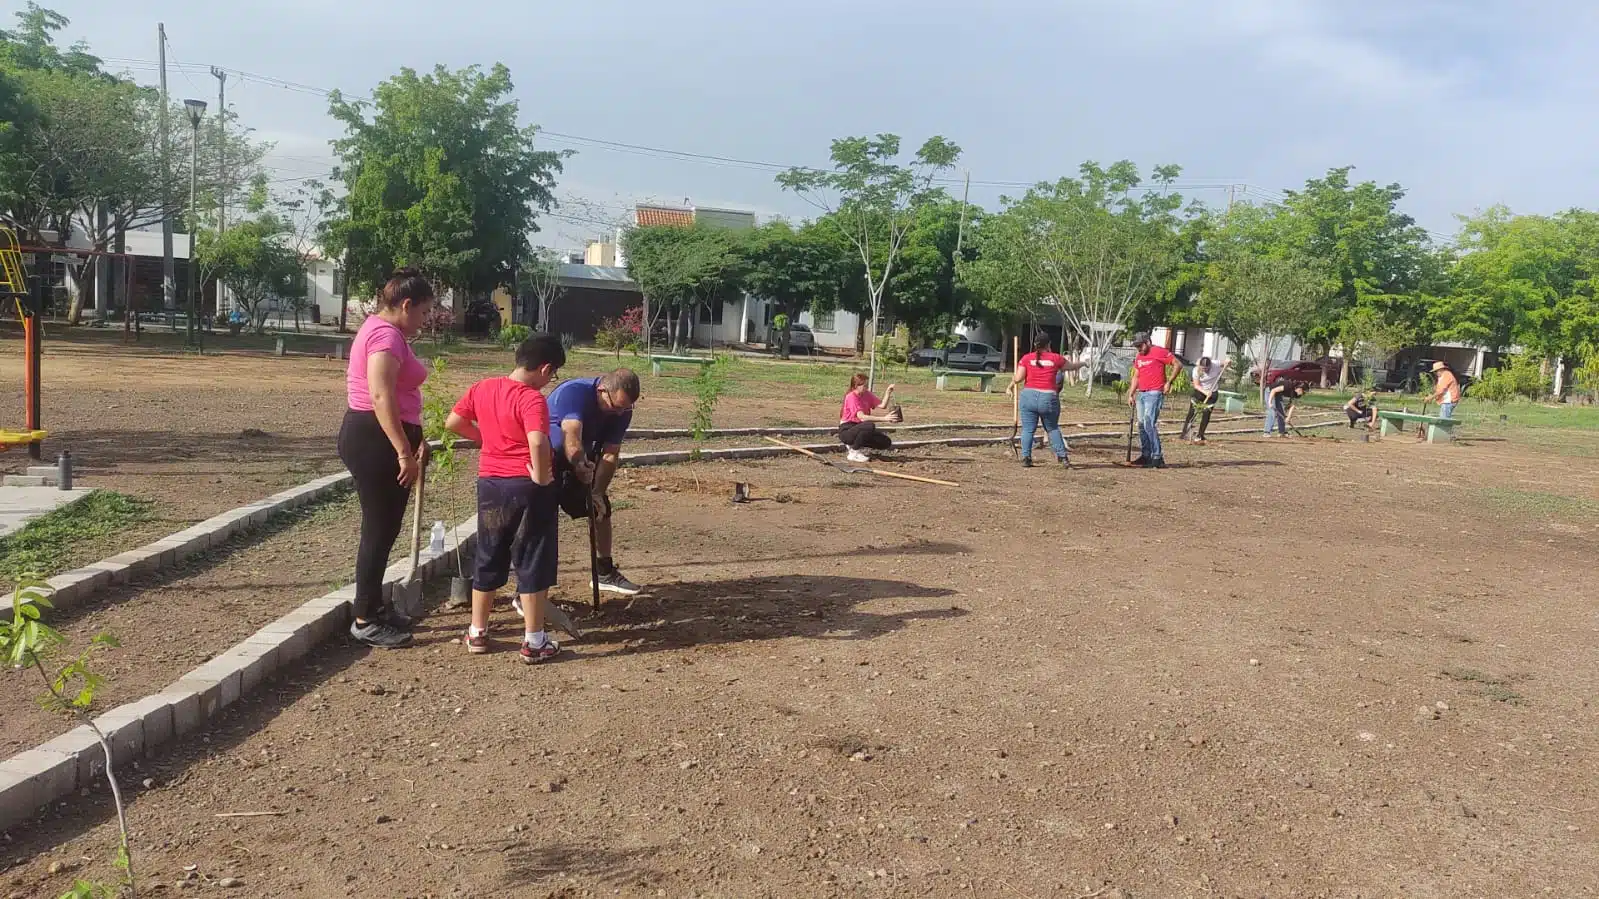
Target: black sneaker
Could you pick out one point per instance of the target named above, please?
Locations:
(1027, 461)
(1157, 462)
(380, 633)
(614, 582)
(1140, 462)
(1065, 461)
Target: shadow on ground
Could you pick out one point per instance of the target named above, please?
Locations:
(700, 613)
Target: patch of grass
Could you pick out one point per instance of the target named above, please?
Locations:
(1537, 502)
(43, 547)
(1495, 688)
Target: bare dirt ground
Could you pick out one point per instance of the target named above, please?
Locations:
(1296, 668)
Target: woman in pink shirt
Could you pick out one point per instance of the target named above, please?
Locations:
(381, 443)
(857, 419)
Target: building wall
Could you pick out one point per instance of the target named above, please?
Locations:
(834, 330)
(579, 310)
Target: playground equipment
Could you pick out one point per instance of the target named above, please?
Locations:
(14, 286)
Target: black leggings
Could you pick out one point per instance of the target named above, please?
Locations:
(858, 435)
(370, 457)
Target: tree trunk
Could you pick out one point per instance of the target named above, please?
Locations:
(1343, 371)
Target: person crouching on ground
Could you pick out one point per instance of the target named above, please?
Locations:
(1280, 401)
(1207, 381)
(516, 496)
(1362, 409)
(589, 418)
(857, 420)
(1040, 376)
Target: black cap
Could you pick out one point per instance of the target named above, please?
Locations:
(1141, 337)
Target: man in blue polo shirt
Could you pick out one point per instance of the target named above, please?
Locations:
(589, 417)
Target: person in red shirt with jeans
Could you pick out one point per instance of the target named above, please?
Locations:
(516, 495)
(1041, 374)
(1152, 373)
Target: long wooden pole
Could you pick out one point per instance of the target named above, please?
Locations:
(1016, 395)
(877, 471)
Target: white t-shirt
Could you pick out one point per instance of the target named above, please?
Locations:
(1206, 382)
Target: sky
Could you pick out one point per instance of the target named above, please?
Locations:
(1465, 103)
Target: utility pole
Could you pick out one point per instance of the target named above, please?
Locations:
(195, 109)
(222, 166)
(960, 239)
(169, 275)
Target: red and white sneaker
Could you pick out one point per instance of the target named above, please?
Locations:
(476, 645)
(532, 655)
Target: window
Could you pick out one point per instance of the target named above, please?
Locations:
(711, 313)
(822, 321)
(338, 282)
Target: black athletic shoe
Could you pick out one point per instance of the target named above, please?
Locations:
(1158, 462)
(1140, 462)
(380, 633)
(614, 582)
(1027, 461)
(1065, 461)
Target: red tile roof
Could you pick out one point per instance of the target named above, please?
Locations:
(663, 215)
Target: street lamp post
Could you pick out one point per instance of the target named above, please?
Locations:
(196, 109)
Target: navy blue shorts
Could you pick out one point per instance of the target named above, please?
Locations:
(516, 527)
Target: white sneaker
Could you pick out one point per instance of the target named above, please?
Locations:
(855, 455)
(516, 603)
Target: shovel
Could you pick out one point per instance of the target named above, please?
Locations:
(407, 595)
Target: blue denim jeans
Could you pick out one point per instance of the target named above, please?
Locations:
(1149, 403)
(1276, 417)
(1446, 410)
(1041, 407)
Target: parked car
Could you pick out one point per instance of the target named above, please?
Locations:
(800, 339)
(1309, 371)
(966, 354)
(1407, 378)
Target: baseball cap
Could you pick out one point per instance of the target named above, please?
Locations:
(1141, 337)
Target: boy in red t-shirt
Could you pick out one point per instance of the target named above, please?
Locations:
(1152, 372)
(516, 496)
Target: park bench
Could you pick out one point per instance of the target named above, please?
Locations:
(657, 361)
(1438, 429)
(984, 378)
(1231, 401)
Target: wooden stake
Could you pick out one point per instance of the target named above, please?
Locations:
(876, 471)
(250, 814)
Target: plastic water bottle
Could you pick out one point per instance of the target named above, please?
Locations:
(436, 542)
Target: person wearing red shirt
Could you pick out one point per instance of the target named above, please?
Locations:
(1040, 375)
(1152, 372)
(516, 495)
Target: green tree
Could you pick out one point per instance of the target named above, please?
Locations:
(1094, 247)
(255, 258)
(681, 269)
(796, 269)
(1379, 257)
(438, 174)
(874, 201)
(1263, 297)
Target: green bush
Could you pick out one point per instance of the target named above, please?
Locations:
(1521, 376)
(1182, 384)
(891, 352)
(511, 336)
(1587, 376)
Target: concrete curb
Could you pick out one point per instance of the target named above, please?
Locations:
(37, 777)
(668, 457)
(76, 586)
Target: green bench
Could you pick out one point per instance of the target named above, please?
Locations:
(984, 378)
(1231, 401)
(657, 361)
(1438, 429)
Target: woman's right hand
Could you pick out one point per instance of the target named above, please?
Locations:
(410, 469)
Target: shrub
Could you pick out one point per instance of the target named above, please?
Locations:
(891, 352)
(568, 340)
(624, 333)
(511, 336)
(1587, 375)
(1521, 376)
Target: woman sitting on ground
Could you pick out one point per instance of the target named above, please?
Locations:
(1360, 409)
(857, 420)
